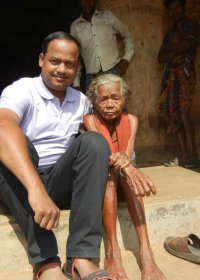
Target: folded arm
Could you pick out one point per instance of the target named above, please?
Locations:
(188, 40)
(167, 54)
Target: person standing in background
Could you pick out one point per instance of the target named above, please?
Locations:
(96, 33)
(177, 53)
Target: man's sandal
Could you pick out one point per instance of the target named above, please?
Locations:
(172, 163)
(44, 267)
(70, 271)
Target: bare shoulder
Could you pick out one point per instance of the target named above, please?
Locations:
(133, 119)
(8, 116)
(88, 117)
(89, 122)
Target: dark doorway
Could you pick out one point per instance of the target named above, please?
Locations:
(24, 24)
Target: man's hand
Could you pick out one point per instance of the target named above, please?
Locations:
(46, 212)
(138, 181)
(122, 66)
(14, 155)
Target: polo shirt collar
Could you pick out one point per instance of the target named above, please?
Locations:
(44, 91)
(70, 96)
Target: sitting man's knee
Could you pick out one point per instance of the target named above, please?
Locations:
(96, 141)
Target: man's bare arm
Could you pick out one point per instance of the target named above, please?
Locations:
(14, 155)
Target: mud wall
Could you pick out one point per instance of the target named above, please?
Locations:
(148, 22)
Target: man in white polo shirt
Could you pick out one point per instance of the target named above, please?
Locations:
(44, 167)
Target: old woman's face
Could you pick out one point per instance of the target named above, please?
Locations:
(109, 102)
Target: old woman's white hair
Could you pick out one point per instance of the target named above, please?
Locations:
(92, 92)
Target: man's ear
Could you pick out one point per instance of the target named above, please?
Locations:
(41, 59)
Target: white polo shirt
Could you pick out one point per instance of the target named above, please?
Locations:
(51, 127)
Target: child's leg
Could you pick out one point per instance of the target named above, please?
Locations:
(136, 210)
(113, 261)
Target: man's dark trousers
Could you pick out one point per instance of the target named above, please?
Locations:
(77, 181)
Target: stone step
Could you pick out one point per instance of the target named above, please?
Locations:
(172, 267)
(174, 210)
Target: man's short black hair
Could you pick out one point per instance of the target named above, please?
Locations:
(58, 35)
(167, 3)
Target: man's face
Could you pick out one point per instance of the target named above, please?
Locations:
(176, 11)
(109, 102)
(88, 6)
(59, 65)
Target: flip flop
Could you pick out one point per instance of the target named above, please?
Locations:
(172, 163)
(187, 248)
(70, 271)
(44, 267)
(176, 162)
(98, 275)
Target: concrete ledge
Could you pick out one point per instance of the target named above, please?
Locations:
(175, 210)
